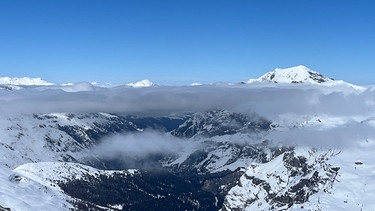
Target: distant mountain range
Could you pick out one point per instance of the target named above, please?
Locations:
(25, 81)
(292, 139)
(18, 83)
(293, 75)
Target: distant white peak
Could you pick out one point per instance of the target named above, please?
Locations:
(302, 74)
(25, 81)
(298, 74)
(196, 84)
(143, 83)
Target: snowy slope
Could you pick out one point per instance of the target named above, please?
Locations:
(26, 138)
(341, 179)
(355, 185)
(20, 193)
(338, 175)
(34, 186)
(51, 173)
(285, 182)
(35, 146)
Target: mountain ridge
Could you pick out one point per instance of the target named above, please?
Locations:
(24, 81)
(237, 168)
(301, 75)
(297, 74)
(293, 75)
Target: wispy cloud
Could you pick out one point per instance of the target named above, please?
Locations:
(138, 145)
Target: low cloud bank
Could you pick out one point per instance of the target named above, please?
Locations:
(266, 101)
(269, 102)
(344, 136)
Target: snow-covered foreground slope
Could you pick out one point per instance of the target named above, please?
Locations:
(340, 179)
(355, 186)
(34, 186)
(21, 193)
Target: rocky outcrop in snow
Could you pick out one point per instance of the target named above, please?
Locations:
(220, 122)
(284, 182)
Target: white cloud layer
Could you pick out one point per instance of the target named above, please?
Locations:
(279, 104)
(266, 101)
(138, 145)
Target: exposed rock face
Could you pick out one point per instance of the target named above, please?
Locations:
(4, 208)
(285, 181)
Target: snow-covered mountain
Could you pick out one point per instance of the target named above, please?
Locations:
(284, 148)
(25, 81)
(300, 74)
(8, 83)
(241, 167)
(140, 84)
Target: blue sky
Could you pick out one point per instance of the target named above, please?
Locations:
(180, 42)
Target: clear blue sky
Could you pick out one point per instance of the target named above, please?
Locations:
(172, 42)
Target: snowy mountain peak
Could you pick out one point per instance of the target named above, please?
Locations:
(143, 83)
(297, 74)
(302, 74)
(25, 81)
